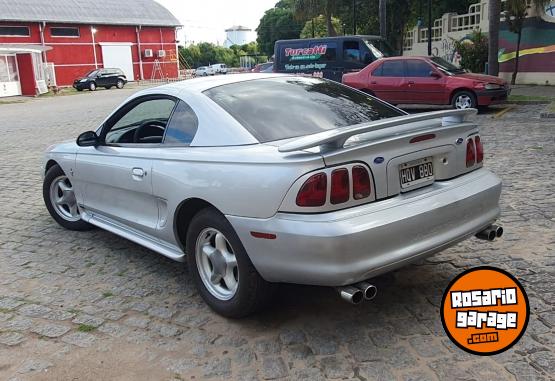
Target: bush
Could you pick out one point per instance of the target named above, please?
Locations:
(473, 52)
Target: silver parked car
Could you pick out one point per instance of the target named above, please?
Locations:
(268, 178)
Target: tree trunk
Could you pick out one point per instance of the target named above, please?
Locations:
(382, 11)
(494, 11)
(331, 30)
(515, 71)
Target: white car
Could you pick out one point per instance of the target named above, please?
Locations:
(256, 179)
(204, 71)
(220, 68)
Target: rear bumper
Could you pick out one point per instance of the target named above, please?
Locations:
(491, 97)
(343, 247)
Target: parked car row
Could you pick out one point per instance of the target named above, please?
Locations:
(203, 71)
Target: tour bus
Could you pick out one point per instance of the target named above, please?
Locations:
(329, 57)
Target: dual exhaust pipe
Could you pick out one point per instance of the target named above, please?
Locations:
(358, 292)
(490, 233)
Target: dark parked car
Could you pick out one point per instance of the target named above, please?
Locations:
(107, 78)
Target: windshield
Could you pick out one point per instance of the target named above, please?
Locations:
(446, 66)
(92, 73)
(380, 45)
(286, 107)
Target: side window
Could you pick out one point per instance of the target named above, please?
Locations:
(143, 123)
(351, 51)
(378, 72)
(182, 126)
(392, 69)
(417, 68)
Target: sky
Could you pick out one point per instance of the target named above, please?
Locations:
(206, 20)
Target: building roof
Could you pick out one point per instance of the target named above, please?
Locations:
(107, 12)
(237, 28)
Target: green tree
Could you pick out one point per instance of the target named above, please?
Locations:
(473, 52)
(317, 27)
(278, 23)
(308, 9)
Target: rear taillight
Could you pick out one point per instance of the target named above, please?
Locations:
(314, 191)
(470, 153)
(361, 183)
(339, 186)
(479, 150)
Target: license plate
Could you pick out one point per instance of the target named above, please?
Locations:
(416, 172)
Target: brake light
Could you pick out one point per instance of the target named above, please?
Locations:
(470, 153)
(479, 150)
(361, 183)
(314, 191)
(339, 186)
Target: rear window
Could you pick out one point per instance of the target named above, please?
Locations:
(280, 108)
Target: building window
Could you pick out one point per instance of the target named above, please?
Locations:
(19, 31)
(64, 32)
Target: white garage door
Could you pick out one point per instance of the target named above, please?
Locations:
(118, 56)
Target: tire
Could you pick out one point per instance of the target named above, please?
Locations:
(92, 86)
(79, 89)
(463, 100)
(251, 291)
(67, 214)
(120, 84)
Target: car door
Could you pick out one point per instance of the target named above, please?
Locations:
(424, 84)
(387, 80)
(115, 178)
(101, 78)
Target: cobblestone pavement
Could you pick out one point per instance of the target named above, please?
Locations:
(92, 306)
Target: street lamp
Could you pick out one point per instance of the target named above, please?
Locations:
(429, 27)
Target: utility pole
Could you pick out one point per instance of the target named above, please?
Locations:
(494, 13)
(313, 27)
(382, 11)
(430, 27)
(354, 19)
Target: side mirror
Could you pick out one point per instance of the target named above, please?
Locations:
(88, 139)
(434, 74)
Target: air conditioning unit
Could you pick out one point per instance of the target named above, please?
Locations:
(149, 53)
(161, 53)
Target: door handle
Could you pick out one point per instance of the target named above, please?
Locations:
(138, 172)
(411, 82)
(373, 82)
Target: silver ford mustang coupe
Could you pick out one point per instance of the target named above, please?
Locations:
(256, 179)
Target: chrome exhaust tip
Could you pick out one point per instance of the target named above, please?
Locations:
(488, 234)
(498, 230)
(351, 294)
(369, 290)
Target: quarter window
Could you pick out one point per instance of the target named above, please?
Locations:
(143, 123)
(19, 31)
(64, 32)
(417, 68)
(182, 126)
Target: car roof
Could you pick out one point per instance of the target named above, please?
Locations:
(369, 36)
(404, 58)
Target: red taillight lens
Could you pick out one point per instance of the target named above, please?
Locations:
(339, 186)
(479, 150)
(361, 183)
(470, 153)
(314, 191)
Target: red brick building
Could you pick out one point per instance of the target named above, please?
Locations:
(53, 42)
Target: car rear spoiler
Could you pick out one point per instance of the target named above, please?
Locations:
(334, 139)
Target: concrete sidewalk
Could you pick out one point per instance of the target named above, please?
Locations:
(533, 91)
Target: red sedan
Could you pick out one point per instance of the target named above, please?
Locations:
(427, 80)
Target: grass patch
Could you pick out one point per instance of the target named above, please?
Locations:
(107, 294)
(518, 97)
(61, 92)
(10, 102)
(74, 311)
(121, 273)
(86, 328)
(551, 107)
(5, 310)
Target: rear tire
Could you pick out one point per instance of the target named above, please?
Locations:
(59, 198)
(221, 268)
(120, 84)
(464, 100)
(92, 86)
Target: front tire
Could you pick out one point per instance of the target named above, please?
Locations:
(221, 268)
(92, 86)
(463, 100)
(59, 198)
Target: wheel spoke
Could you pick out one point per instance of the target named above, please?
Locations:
(64, 187)
(229, 280)
(215, 278)
(208, 250)
(73, 209)
(221, 243)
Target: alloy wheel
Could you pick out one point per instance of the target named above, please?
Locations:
(63, 199)
(217, 264)
(463, 102)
